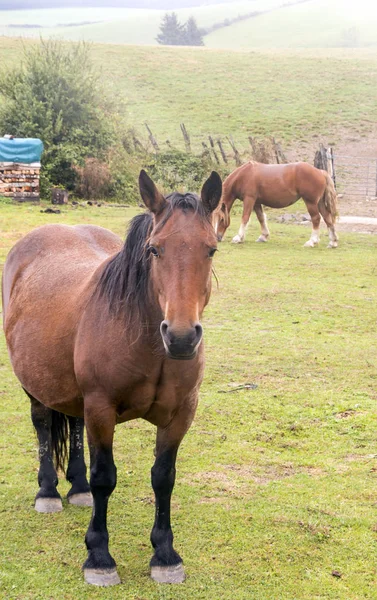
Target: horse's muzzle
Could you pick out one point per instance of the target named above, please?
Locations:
(181, 345)
(219, 237)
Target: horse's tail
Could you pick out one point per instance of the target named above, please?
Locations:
(59, 436)
(329, 199)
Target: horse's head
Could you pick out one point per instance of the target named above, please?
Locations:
(181, 244)
(220, 220)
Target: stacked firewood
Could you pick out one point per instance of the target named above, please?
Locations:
(20, 181)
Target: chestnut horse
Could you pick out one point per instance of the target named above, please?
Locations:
(103, 332)
(278, 186)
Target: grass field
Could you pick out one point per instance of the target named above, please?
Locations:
(276, 488)
(297, 97)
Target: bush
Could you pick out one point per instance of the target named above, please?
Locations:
(94, 180)
(175, 169)
(55, 95)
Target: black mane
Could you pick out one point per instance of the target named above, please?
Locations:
(125, 279)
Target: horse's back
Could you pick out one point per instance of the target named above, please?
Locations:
(50, 254)
(278, 185)
(48, 277)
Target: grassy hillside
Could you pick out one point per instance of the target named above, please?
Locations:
(294, 97)
(318, 23)
(116, 25)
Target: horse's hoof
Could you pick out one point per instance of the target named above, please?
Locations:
(262, 239)
(48, 505)
(333, 245)
(309, 244)
(84, 499)
(101, 577)
(237, 240)
(174, 574)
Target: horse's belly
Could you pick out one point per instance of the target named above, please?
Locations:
(43, 367)
(40, 328)
(278, 200)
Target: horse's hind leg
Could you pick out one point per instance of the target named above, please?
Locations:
(79, 494)
(248, 205)
(261, 216)
(48, 499)
(333, 238)
(316, 220)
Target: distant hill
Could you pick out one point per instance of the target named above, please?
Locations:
(306, 24)
(117, 25)
(315, 24)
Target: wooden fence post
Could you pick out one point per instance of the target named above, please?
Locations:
(330, 164)
(237, 157)
(213, 149)
(280, 156)
(206, 151)
(137, 143)
(186, 137)
(253, 146)
(276, 150)
(324, 157)
(222, 151)
(152, 138)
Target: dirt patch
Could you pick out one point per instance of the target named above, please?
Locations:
(354, 223)
(234, 480)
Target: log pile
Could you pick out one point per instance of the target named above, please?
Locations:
(20, 181)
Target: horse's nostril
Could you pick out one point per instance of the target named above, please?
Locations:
(199, 331)
(164, 328)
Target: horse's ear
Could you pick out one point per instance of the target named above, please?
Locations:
(211, 192)
(152, 198)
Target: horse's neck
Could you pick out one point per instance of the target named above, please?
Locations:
(229, 196)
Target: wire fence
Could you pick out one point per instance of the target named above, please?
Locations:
(355, 175)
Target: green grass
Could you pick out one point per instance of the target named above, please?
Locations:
(295, 97)
(276, 487)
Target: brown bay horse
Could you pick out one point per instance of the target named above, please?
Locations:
(103, 332)
(278, 186)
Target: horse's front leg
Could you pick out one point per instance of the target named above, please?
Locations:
(100, 567)
(248, 205)
(166, 564)
(79, 494)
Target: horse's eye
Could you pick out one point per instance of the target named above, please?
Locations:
(211, 253)
(153, 251)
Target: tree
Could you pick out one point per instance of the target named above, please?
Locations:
(171, 31)
(55, 95)
(192, 33)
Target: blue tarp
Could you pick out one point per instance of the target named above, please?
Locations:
(20, 150)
